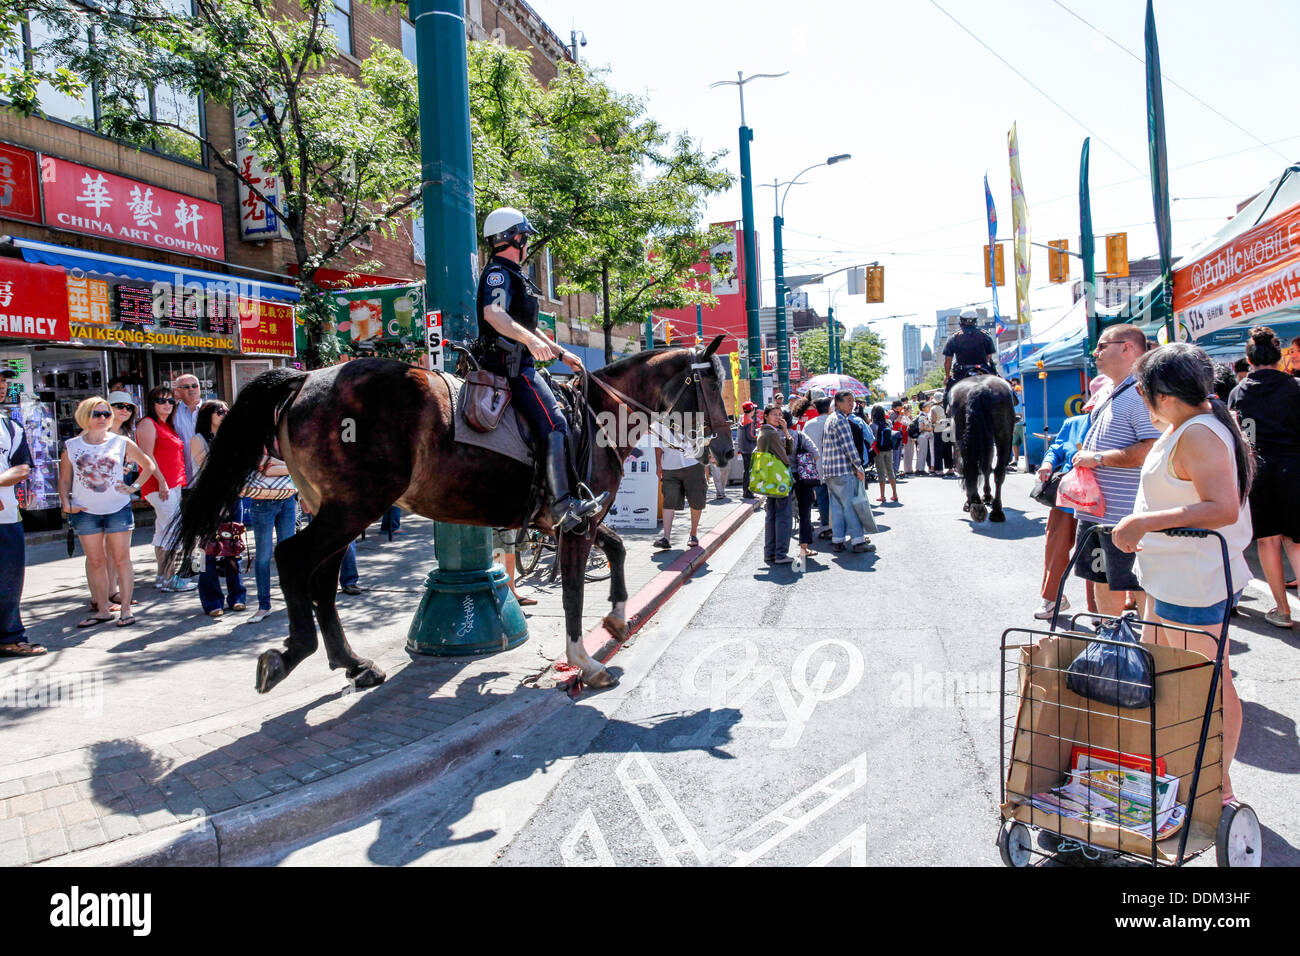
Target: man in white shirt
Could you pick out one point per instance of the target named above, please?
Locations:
(189, 396)
(682, 480)
(15, 465)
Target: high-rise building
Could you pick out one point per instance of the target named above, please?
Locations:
(911, 355)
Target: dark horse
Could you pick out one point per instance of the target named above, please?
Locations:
(984, 417)
(370, 433)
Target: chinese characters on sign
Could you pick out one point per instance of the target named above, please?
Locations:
(88, 301)
(266, 327)
(18, 192)
(257, 220)
(97, 203)
(33, 301)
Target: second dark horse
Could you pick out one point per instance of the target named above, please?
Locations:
(369, 433)
(983, 409)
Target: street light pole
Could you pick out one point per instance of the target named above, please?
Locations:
(749, 243)
(467, 606)
(778, 222)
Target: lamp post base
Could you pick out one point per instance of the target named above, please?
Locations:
(467, 606)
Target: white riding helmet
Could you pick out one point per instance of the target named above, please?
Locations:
(506, 227)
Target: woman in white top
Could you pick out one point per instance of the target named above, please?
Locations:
(97, 502)
(1197, 475)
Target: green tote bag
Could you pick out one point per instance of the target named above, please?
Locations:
(768, 476)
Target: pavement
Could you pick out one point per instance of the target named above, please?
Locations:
(845, 716)
(149, 744)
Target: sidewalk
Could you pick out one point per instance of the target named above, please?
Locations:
(119, 732)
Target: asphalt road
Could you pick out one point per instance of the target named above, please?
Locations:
(845, 716)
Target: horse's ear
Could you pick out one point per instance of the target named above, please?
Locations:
(713, 346)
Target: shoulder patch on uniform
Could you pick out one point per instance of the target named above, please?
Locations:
(496, 277)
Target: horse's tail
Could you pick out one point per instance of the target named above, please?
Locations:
(977, 437)
(237, 449)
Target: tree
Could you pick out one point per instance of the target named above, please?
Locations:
(933, 379)
(345, 149)
(862, 354)
(616, 197)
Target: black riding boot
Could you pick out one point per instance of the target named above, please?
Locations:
(567, 512)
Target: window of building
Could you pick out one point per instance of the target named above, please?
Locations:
(163, 104)
(339, 18)
(408, 42)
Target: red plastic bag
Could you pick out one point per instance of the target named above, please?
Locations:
(1079, 490)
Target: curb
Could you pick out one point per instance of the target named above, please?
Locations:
(601, 645)
(245, 833)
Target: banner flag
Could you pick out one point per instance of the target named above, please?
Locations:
(1159, 170)
(1020, 225)
(993, 238)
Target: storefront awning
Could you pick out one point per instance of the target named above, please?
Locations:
(102, 264)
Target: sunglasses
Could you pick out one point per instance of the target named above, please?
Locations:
(1102, 345)
(187, 386)
(122, 406)
(164, 401)
(98, 414)
(220, 412)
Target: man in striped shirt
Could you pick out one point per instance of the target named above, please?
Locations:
(1118, 440)
(841, 469)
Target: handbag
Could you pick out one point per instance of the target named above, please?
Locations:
(768, 475)
(861, 505)
(1044, 492)
(485, 399)
(1112, 673)
(229, 542)
(805, 462)
(263, 487)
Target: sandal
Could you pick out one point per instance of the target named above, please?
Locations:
(21, 649)
(93, 621)
(216, 612)
(117, 599)
(126, 621)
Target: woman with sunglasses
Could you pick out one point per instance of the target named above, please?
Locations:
(210, 418)
(97, 502)
(158, 438)
(123, 406)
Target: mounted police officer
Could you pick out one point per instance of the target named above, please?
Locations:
(511, 343)
(968, 351)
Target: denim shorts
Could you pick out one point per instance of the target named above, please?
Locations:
(84, 523)
(1178, 614)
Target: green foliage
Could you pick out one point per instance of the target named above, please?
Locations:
(933, 379)
(862, 353)
(611, 192)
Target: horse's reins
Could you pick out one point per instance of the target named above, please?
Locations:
(627, 400)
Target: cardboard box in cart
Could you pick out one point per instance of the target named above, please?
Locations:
(1052, 720)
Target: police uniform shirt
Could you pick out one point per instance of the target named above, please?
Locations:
(503, 285)
(969, 347)
(13, 451)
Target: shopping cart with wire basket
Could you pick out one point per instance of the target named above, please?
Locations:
(1118, 763)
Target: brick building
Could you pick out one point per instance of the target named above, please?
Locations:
(89, 225)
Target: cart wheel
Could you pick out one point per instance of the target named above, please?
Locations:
(1015, 844)
(1239, 842)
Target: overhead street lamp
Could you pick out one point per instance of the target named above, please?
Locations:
(778, 221)
(750, 246)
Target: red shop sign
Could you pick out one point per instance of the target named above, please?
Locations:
(19, 195)
(97, 203)
(265, 327)
(33, 301)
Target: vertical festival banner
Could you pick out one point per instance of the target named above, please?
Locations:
(1159, 174)
(1020, 224)
(993, 239)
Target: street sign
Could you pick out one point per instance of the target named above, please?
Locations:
(793, 282)
(769, 359)
(433, 337)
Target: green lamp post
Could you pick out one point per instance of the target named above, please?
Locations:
(467, 606)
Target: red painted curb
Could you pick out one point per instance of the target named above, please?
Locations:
(600, 644)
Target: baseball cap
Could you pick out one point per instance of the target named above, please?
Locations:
(748, 407)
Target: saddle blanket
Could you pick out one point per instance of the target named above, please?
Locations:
(508, 438)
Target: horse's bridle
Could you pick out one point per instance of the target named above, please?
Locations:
(695, 376)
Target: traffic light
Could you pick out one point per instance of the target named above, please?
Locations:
(875, 283)
(698, 340)
(1117, 255)
(668, 333)
(999, 266)
(1058, 261)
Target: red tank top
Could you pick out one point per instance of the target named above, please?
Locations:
(169, 453)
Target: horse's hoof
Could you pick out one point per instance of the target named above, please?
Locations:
(366, 676)
(997, 516)
(966, 506)
(616, 626)
(600, 680)
(270, 670)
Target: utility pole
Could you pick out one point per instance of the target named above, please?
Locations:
(467, 606)
(750, 245)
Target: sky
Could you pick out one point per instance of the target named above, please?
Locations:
(925, 109)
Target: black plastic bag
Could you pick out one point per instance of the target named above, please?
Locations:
(1111, 673)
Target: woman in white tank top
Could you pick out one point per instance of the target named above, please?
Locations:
(1197, 475)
